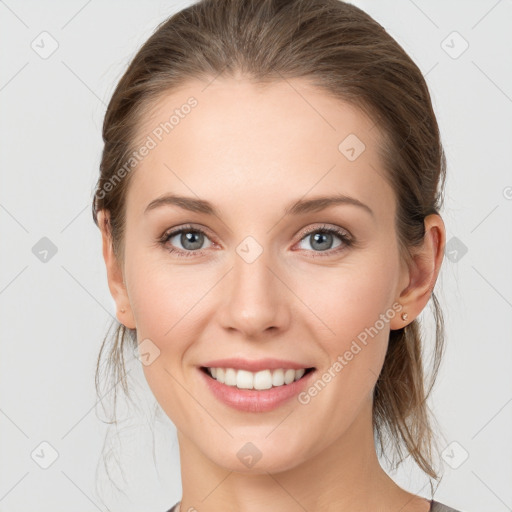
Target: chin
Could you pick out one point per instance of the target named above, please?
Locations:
(254, 457)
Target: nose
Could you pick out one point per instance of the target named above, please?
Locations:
(256, 304)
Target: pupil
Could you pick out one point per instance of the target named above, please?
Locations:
(320, 236)
(188, 238)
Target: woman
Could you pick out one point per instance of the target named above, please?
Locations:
(269, 203)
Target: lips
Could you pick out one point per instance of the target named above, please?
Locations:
(260, 400)
(256, 365)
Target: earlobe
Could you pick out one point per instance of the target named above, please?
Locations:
(423, 272)
(115, 278)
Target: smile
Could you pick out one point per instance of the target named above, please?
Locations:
(260, 391)
(264, 379)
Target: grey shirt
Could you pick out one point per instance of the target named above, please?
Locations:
(435, 506)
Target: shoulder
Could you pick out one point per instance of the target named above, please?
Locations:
(440, 507)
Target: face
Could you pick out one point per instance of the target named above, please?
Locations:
(261, 279)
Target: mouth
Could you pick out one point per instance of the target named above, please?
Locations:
(257, 381)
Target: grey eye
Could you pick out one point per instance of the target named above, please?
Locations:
(190, 240)
(321, 241)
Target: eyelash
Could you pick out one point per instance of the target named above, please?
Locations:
(347, 240)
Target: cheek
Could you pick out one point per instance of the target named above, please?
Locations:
(353, 305)
(168, 302)
(161, 294)
(166, 306)
(349, 299)
(162, 301)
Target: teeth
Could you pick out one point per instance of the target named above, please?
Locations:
(245, 379)
(265, 379)
(289, 376)
(230, 377)
(278, 378)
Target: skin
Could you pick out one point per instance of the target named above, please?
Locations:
(251, 152)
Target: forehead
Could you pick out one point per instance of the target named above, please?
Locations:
(284, 138)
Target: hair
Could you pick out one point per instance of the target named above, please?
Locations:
(347, 54)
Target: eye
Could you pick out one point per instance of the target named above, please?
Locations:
(321, 239)
(191, 240)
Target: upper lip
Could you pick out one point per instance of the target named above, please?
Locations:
(255, 365)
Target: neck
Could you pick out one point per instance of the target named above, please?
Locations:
(346, 476)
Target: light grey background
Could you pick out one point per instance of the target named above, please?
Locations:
(54, 314)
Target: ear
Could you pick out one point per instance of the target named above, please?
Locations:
(421, 276)
(115, 277)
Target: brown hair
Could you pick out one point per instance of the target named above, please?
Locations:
(344, 52)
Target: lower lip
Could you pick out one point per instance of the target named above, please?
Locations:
(250, 400)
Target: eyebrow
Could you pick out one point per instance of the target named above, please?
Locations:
(299, 207)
